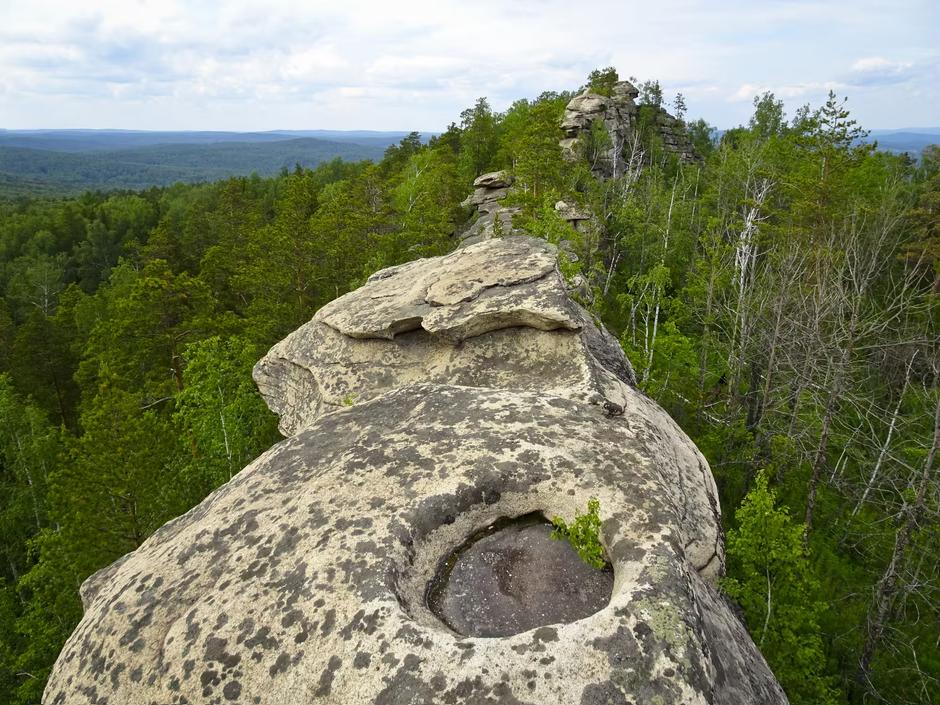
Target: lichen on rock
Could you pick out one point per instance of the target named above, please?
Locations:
(481, 391)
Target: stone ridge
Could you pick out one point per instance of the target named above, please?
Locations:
(438, 397)
(493, 314)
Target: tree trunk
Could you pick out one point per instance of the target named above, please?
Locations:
(887, 587)
(884, 447)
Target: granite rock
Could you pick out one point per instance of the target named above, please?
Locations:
(619, 114)
(494, 314)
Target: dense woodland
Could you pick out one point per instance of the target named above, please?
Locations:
(27, 171)
(779, 299)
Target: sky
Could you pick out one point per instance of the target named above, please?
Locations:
(349, 64)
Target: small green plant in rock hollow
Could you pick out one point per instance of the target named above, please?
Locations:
(583, 534)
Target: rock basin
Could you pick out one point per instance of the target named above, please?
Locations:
(512, 576)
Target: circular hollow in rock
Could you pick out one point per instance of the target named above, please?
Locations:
(511, 577)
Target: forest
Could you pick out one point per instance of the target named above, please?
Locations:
(67, 167)
(779, 297)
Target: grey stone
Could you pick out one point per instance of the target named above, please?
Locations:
(571, 213)
(486, 197)
(516, 577)
(494, 180)
(477, 391)
(316, 557)
(484, 226)
(618, 113)
(494, 314)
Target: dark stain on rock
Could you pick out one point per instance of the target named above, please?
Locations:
(329, 621)
(232, 690)
(326, 678)
(280, 666)
(545, 634)
(602, 694)
(115, 674)
(621, 647)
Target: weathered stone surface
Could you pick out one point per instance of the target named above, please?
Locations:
(485, 198)
(485, 227)
(495, 314)
(477, 391)
(588, 103)
(570, 212)
(494, 180)
(302, 579)
(625, 89)
(619, 114)
(491, 218)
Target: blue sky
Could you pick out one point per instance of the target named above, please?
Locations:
(247, 65)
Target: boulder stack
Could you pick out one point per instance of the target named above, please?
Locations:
(490, 218)
(618, 114)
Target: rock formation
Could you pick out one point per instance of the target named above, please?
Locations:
(491, 218)
(618, 114)
(442, 395)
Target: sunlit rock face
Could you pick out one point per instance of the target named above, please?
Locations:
(436, 399)
(619, 114)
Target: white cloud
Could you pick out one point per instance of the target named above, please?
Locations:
(876, 70)
(313, 63)
(746, 92)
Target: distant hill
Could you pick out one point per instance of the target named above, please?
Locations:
(34, 162)
(912, 140)
(906, 139)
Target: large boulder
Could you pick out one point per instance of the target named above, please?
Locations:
(475, 390)
(494, 314)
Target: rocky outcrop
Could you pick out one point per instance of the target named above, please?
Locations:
(619, 114)
(493, 314)
(442, 395)
(490, 218)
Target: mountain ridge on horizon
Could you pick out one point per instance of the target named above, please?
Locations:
(69, 161)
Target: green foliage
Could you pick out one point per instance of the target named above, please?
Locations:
(529, 137)
(775, 587)
(478, 141)
(220, 412)
(602, 80)
(584, 534)
(546, 223)
(651, 93)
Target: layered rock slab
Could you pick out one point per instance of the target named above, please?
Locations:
(302, 580)
(494, 314)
